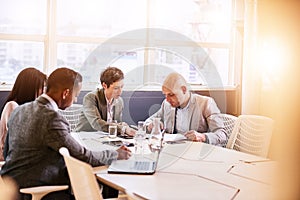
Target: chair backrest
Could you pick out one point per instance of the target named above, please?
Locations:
(229, 121)
(251, 134)
(83, 180)
(72, 114)
(8, 188)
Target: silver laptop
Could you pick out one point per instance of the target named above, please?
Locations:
(134, 166)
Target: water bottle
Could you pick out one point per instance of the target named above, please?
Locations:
(139, 138)
(156, 136)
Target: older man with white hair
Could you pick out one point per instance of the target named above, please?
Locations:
(195, 116)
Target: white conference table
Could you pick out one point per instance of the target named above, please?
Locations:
(193, 170)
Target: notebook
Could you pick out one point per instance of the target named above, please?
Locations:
(132, 166)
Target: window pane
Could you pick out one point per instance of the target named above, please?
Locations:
(91, 59)
(15, 56)
(205, 21)
(220, 58)
(23, 17)
(100, 18)
(202, 67)
(74, 55)
(167, 62)
(132, 64)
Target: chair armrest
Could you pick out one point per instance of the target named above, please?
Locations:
(40, 191)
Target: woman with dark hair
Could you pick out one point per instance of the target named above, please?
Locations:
(28, 86)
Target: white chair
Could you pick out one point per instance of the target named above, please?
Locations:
(72, 114)
(83, 179)
(251, 134)
(229, 121)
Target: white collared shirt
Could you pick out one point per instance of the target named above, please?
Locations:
(52, 102)
(110, 110)
(182, 121)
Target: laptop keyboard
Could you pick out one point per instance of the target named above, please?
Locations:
(142, 165)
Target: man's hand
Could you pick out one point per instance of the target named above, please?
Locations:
(123, 153)
(130, 131)
(123, 124)
(150, 127)
(195, 136)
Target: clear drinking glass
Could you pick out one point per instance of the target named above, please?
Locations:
(112, 128)
(141, 126)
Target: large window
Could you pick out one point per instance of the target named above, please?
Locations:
(147, 39)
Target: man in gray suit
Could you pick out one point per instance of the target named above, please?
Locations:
(36, 132)
(190, 114)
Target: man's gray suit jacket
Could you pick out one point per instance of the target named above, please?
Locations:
(35, 134)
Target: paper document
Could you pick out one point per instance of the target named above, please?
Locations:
(91, 135)
(88, 139)
(173, 137)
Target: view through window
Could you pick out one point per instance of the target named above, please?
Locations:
(47, 34)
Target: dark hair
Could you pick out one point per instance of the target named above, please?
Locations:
(63, 78)
(27, 86)
(111, 75)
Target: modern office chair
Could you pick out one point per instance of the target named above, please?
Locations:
(251, 134)
(72, 114)
(38, 192)
(82, 177)
(229, 121)
(41, 191)
(8, 188)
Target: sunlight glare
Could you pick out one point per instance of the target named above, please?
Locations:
(271, 57)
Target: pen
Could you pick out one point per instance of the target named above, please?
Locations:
(230, 168)
(254, 161)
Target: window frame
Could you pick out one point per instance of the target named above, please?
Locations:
(51, 41)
